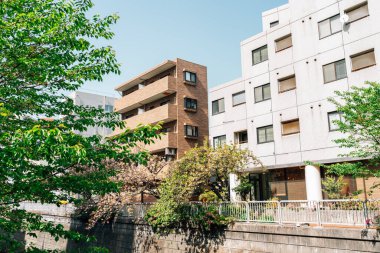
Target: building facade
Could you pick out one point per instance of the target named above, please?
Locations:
(98, 101)
(173, 93)
(279, 108)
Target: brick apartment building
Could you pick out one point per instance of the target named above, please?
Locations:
(173, 93)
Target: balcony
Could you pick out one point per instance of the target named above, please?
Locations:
(165, 113)
(159, 89)
(169, 140)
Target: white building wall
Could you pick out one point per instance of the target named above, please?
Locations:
(93, 100)
(309, 101)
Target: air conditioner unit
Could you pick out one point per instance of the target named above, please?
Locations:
(170, 151)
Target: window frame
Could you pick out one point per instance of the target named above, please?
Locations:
(266, 138)
(354, 8)
(362, 53)
(189, 81)
(109, 106)
(283, 79)
(238, 93)
(335, 72)
(217, 137)
(281, 38)
(238, 134)
(259, 49)
(331, 33)
(290, 121)
(187, 100)
(193, 128)
(261, 87)
(219, 112)
(274, 23)
(330, 123)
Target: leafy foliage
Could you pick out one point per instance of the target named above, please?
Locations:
(46, 51)
(201, 169)
(333, 186)
(361, 125)
(133, 179)
(244, 188)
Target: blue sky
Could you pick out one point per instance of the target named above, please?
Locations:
(204, 31)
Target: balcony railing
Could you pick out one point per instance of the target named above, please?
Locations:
(159, 89)
(165, 113)
(169, 140)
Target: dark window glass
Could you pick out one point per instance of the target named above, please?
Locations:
(334, 71)
(262, 93)
(238, 98)
(190, 77)
(333, 118)
(265, 134)
(274, 23)
(218, 106)
(219, 141)
(241, 137)
(191, 104)
(191, 131)
(329, 26)
(260, 55)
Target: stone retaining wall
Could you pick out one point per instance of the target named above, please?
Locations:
(124, 236)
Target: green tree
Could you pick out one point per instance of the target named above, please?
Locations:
(46, 51)
(201, 169)
(360, 108)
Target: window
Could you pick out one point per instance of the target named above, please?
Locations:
(191, 104)
(334, 71)
(265, 134)
(262, 93)
(108, 108)
(190, 77)
(363, 60)
(329, 26)
(191, 131)
(218, 106)
(333, 117)
(287, 83)
(238, 98)
(241, 137)
(259, 55)
(357, 12)
(219, 141)
(290, 127)
(283, 43)
(274, 23)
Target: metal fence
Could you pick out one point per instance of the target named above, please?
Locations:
(349, 212)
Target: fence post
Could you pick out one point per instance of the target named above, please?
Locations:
(279, 212)
(366, 215)
(247, 208)
(319, 213)
(220, 209)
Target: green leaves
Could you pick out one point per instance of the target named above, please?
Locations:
(361, 125)
(46, 51)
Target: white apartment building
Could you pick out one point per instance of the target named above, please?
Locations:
(98, 101)
(279, 109)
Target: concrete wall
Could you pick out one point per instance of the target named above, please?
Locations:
(123, 237)
(97, 101)
(305, 59)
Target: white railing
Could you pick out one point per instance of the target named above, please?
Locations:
(350, 212)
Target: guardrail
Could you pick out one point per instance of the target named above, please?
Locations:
(350, 212)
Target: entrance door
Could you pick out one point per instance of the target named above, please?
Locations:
(261, 189)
